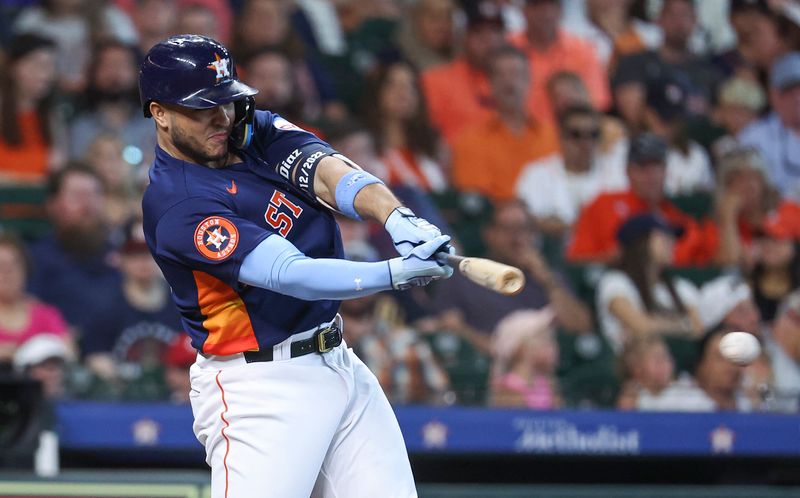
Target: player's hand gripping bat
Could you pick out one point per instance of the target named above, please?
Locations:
(498, 277)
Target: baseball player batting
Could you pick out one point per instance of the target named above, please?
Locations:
(238, 216)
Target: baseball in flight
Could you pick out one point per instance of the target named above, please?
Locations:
(741, 348)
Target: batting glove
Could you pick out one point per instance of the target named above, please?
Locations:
(408, 231)
(419, 267)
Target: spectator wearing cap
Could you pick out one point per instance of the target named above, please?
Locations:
(666, 114)
(525, 359)
(637, 298)
(489, 155)
(44, 358)
(29, 145)
(141, 319)
(777, 135)
(673, 59)
(22, 316)
(556, 187)
(458, 93)
(749, 208)
(180, 355)
(728, 301)
(772, 379)
(594, 236)
(739, 103)
(551, 49)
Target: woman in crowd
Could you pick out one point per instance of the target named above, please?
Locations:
(525, 360)
(21, 315)
(427, 35)
(28, 128)
(748, 210)
(637, 298)
(395, 112)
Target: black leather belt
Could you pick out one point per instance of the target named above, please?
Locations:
(321, 342)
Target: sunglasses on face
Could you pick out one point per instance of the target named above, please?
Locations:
(578, 134)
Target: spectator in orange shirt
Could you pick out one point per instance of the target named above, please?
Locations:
(458, 93)
(594, 236)
(550, 50)
(26, 126)
(489, 156)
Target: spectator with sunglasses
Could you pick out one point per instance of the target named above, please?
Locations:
(556, 187)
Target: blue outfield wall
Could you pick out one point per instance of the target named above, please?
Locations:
(460, 430)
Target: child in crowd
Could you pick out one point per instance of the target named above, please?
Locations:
(525, 361)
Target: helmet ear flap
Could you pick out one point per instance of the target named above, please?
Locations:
(245, 112)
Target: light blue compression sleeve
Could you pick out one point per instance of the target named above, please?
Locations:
(276, 264)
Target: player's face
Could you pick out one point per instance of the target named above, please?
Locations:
(202, 134)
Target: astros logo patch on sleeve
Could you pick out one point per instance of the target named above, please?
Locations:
(216, 238)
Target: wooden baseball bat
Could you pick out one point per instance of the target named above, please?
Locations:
(505, 279)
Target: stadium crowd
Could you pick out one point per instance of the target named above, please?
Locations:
(638, 160)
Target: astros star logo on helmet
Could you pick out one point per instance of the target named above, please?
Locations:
(220, 65)
(216, 238)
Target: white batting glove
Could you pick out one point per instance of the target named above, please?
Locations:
(419, 267)
(408, 231)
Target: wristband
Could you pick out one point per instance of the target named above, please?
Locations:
(348, 187)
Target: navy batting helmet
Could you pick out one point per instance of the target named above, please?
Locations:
(196, 72)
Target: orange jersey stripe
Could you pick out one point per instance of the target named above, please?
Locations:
(227, 322)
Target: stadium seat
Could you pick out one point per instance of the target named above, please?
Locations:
(22, 210)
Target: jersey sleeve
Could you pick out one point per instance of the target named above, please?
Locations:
(206, 235)
(293, 152)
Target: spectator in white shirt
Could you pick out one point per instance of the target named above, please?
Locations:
(777, 135)
(638, 298)
(688, 164)
(556, 187)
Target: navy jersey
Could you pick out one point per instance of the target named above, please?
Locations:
(201, 222)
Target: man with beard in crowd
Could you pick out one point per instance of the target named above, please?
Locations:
(70, 268)
(112, 102)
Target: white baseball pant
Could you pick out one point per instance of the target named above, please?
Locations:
(317, 425)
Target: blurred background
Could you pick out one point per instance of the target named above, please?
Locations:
(639, 160)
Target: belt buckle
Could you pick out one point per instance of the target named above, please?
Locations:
(322, 342)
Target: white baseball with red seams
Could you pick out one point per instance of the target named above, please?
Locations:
(741, 348)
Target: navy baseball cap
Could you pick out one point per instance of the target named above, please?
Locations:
(743, 5)
(667, 97)
(647, 148)
(785, 73)
(482, 13)
(642, 225)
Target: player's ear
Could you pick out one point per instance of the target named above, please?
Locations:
(159, 114)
